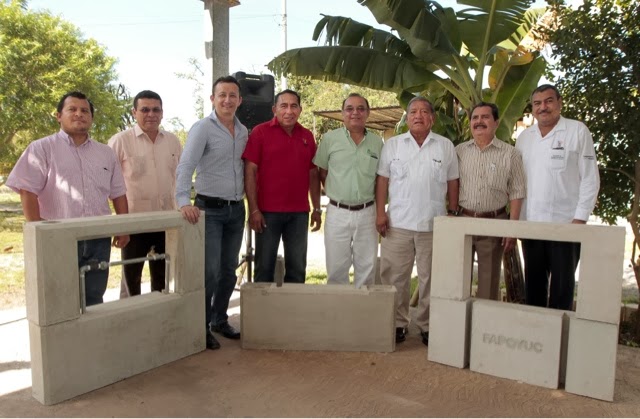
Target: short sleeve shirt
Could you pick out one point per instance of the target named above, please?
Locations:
(351, 168)
(418, 177)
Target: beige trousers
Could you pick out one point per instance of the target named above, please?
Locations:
(398, 251)
(489, 252)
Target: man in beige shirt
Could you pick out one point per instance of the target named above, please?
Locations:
(149, 157)
(491, 176)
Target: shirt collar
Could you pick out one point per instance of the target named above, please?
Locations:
(495, 142)
(274, 123)
(69, 140)
(139, 132)
(560, 126)
(214, 116)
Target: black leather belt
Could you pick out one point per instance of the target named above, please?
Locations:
(488, 214)
(351, 207)
(211, 202)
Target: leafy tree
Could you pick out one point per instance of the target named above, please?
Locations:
(598, 73)
(322, 96)
(439, 53)
(41, 58)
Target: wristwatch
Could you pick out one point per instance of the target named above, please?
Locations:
(318, 210)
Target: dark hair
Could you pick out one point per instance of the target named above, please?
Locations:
(355, 95)
(226, 79)
(146, 94)
(287, 92)
(420, 99)
(77, 95)
(544, 88)
(494, 109)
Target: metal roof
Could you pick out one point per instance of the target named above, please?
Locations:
(382, 118)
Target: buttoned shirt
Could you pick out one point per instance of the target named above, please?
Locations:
(562, 172)
(284, 163)
(149, 168)
(351, 168)
(418, 177)
(489, 177)
(70, 181)
(216, 156)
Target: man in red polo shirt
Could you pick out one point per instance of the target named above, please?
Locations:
(278, 175)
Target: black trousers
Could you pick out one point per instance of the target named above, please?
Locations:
(139, 245)
(549, 272)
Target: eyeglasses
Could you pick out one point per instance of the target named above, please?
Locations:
(351, 109)
(147, 110)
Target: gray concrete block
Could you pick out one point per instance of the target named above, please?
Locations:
(451, 265)
(52, 284)
(600, 287)
(449, 326)
(317, 317)
(51, 258)
(517, 342)
(184, 245)
(114, 341)
(591, 359)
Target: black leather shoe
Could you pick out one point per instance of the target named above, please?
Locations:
(401, 334)
(212, 342)
(226, 330)
(425, 337)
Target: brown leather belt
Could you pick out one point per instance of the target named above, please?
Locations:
(351, 207)
(488, 214)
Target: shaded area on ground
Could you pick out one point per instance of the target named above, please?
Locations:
(236, 382)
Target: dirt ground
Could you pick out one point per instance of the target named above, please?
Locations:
(248, 383)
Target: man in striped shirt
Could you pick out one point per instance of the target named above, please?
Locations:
(491, 176)
(69, 175)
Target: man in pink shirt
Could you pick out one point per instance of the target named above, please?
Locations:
(149, 157)
(69, 175)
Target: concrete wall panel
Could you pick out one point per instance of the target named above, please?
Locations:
(449, 326)
(591, 359)
(317, 317)
(114, 341)
(517, 342)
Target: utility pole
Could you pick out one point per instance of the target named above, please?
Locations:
(283, 79)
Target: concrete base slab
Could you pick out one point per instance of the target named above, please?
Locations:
(517, 342)
(74, 357)
(449, 326)
(591, 359)
(317, 317)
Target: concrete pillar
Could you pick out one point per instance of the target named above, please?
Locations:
(216, 44)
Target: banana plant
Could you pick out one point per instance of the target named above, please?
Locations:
(455, 58)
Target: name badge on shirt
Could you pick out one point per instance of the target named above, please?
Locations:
(558, 155)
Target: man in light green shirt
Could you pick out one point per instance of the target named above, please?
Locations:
(348, 160)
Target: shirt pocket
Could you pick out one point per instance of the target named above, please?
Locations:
(134, 167)
(558, 158)
(438, 171)
(399, 169)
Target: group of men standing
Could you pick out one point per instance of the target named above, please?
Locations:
(394, 190)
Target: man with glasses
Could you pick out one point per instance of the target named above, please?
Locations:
(348, 160)
(148, 156)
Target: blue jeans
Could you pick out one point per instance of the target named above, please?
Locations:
(293, 228)
(95, 282)
(223, 231)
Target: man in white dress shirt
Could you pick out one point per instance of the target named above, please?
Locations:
(417, 171)
(562, 187)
